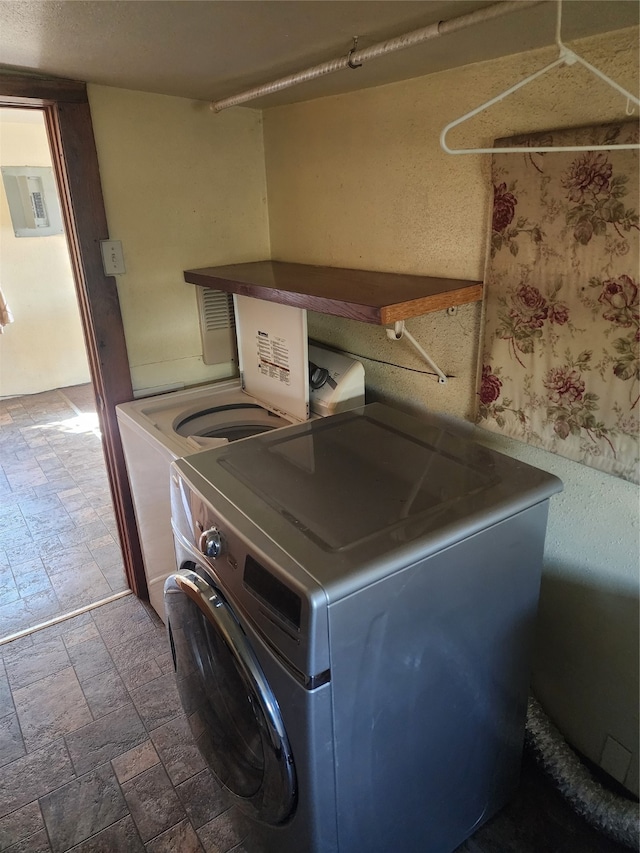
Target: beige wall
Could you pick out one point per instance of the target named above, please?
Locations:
(44, 347)
(182, 188)
(360, 180)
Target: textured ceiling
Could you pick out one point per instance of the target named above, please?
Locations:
(214, 48)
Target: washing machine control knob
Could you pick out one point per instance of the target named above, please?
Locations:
(212, 543)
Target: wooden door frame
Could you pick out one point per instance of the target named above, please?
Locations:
(75, 165)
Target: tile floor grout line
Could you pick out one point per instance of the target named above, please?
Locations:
(95, 430)
(63, 617)
(69, 403)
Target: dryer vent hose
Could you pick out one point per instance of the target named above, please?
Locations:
(612, 814)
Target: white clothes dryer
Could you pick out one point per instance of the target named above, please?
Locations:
(283, 381)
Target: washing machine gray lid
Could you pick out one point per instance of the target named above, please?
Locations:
(350, 488)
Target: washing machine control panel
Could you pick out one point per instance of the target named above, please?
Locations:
(212, 543)
(274, 597)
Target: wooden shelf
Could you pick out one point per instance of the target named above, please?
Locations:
(372, 297)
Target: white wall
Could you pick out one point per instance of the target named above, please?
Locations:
(183, 188)
(360, 180)
(44, 347)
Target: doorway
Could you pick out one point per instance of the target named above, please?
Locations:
(65, 108)
(60, 549)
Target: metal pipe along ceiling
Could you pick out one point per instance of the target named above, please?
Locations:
(357, 57)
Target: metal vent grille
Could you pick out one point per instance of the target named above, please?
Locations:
(217, 326)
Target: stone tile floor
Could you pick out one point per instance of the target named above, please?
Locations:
(538, 820)
(59, 548)
(96, 755)
(95, 752)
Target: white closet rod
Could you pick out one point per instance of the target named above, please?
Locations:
(356, 57)
(565, 57)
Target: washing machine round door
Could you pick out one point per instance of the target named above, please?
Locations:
(231, 708)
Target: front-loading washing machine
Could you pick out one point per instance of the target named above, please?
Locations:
(283, 380)
(351, 623)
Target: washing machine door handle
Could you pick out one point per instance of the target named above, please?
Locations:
(277, 796)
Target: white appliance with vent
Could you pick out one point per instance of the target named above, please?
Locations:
(283, 381)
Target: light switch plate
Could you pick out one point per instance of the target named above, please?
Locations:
(112, 257)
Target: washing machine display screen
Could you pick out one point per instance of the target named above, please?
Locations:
(283, 600)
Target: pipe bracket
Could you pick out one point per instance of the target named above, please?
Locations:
(350, 61)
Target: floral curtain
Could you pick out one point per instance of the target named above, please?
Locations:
(560, 367)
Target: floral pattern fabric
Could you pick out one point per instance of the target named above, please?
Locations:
(560, 361)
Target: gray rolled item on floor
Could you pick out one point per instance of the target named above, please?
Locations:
(612, 814)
